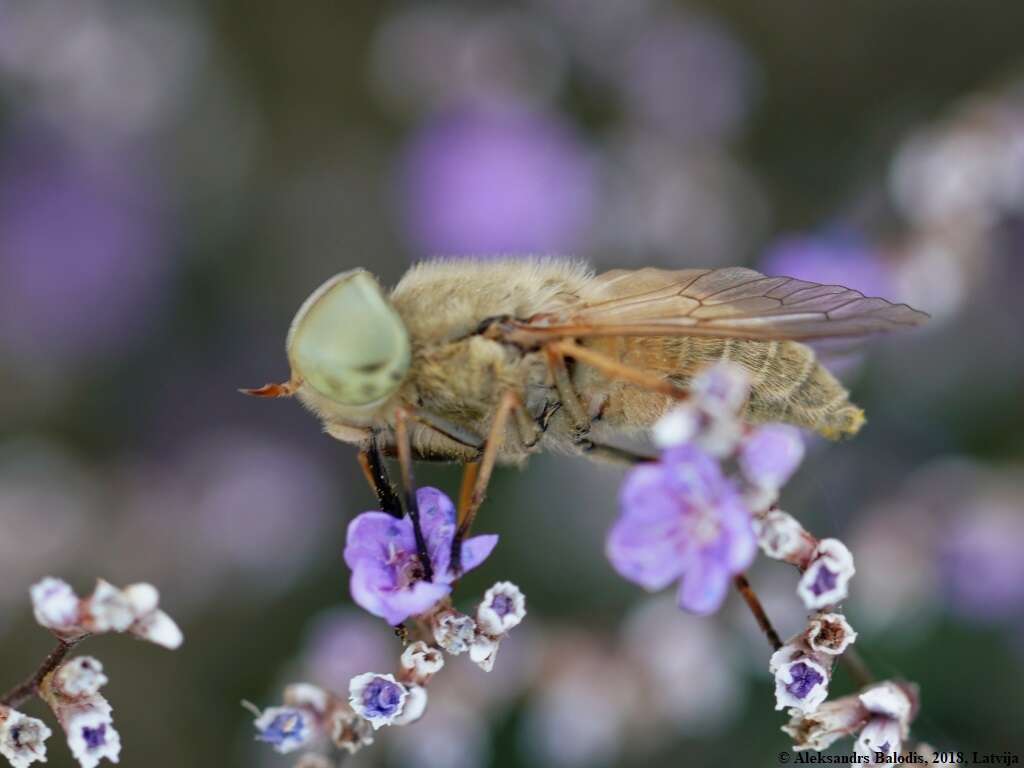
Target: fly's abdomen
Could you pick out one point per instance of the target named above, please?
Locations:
(787, 382)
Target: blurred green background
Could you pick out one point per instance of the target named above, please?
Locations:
(175, 178)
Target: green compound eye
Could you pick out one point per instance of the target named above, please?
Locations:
(347, 341)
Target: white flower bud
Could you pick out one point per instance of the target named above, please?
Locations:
(81, 676)
(781, 537)
(890, 708)
(483, 651)
(503, 607)
(422, 661)
(22, 738)
(829, 633)
(825, 581)
(89, 727)
(143, 598)
(454, 631)
(350, 732)
(889, 700)
(880, 740)
(414, 707)
(55, 605)
(158, 628)
(108, 609)
(831, 721)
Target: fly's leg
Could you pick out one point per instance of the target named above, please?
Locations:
(477, 475)
(613, 454)
(404, 450)
(615, 369)
(557, 352)
(470, 472)
(569, 398)
(371, 460)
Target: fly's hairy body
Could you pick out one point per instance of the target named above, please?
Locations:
(459, 374)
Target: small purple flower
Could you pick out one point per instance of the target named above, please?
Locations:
(825, 582)
(387, 576)
(378, 698)
(890, 710)
(682, 518)
(286, 728)
(502, 608)
(22, 738)
(801, 681)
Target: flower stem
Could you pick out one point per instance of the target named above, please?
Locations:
(21, 693)
(857, 667)
(754, 604)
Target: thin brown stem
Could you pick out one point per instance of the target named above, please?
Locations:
(23, 692)
(859, 670)
(754, 604)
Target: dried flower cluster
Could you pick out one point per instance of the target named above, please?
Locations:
(686, 517)
(71, 688)
(324, 725)
(134, 609)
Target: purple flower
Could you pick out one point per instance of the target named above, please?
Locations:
(825, 581)
(801, 681)
(890, 708)
(682, 518)
(286, 728)
(496, 180)
(378, 698)
(387, 576)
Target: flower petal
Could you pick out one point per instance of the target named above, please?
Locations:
(693, 475)
(419, 598)
(704, 587)
(646, 495)
(370, 584)
(648, 552)
(437, 521)
(477, 549)
(741, 543)
(370, 535)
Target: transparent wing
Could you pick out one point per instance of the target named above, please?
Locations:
(729, 302)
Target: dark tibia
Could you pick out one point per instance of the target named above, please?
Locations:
(412, 506)
(386, 496)
(613, 453)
